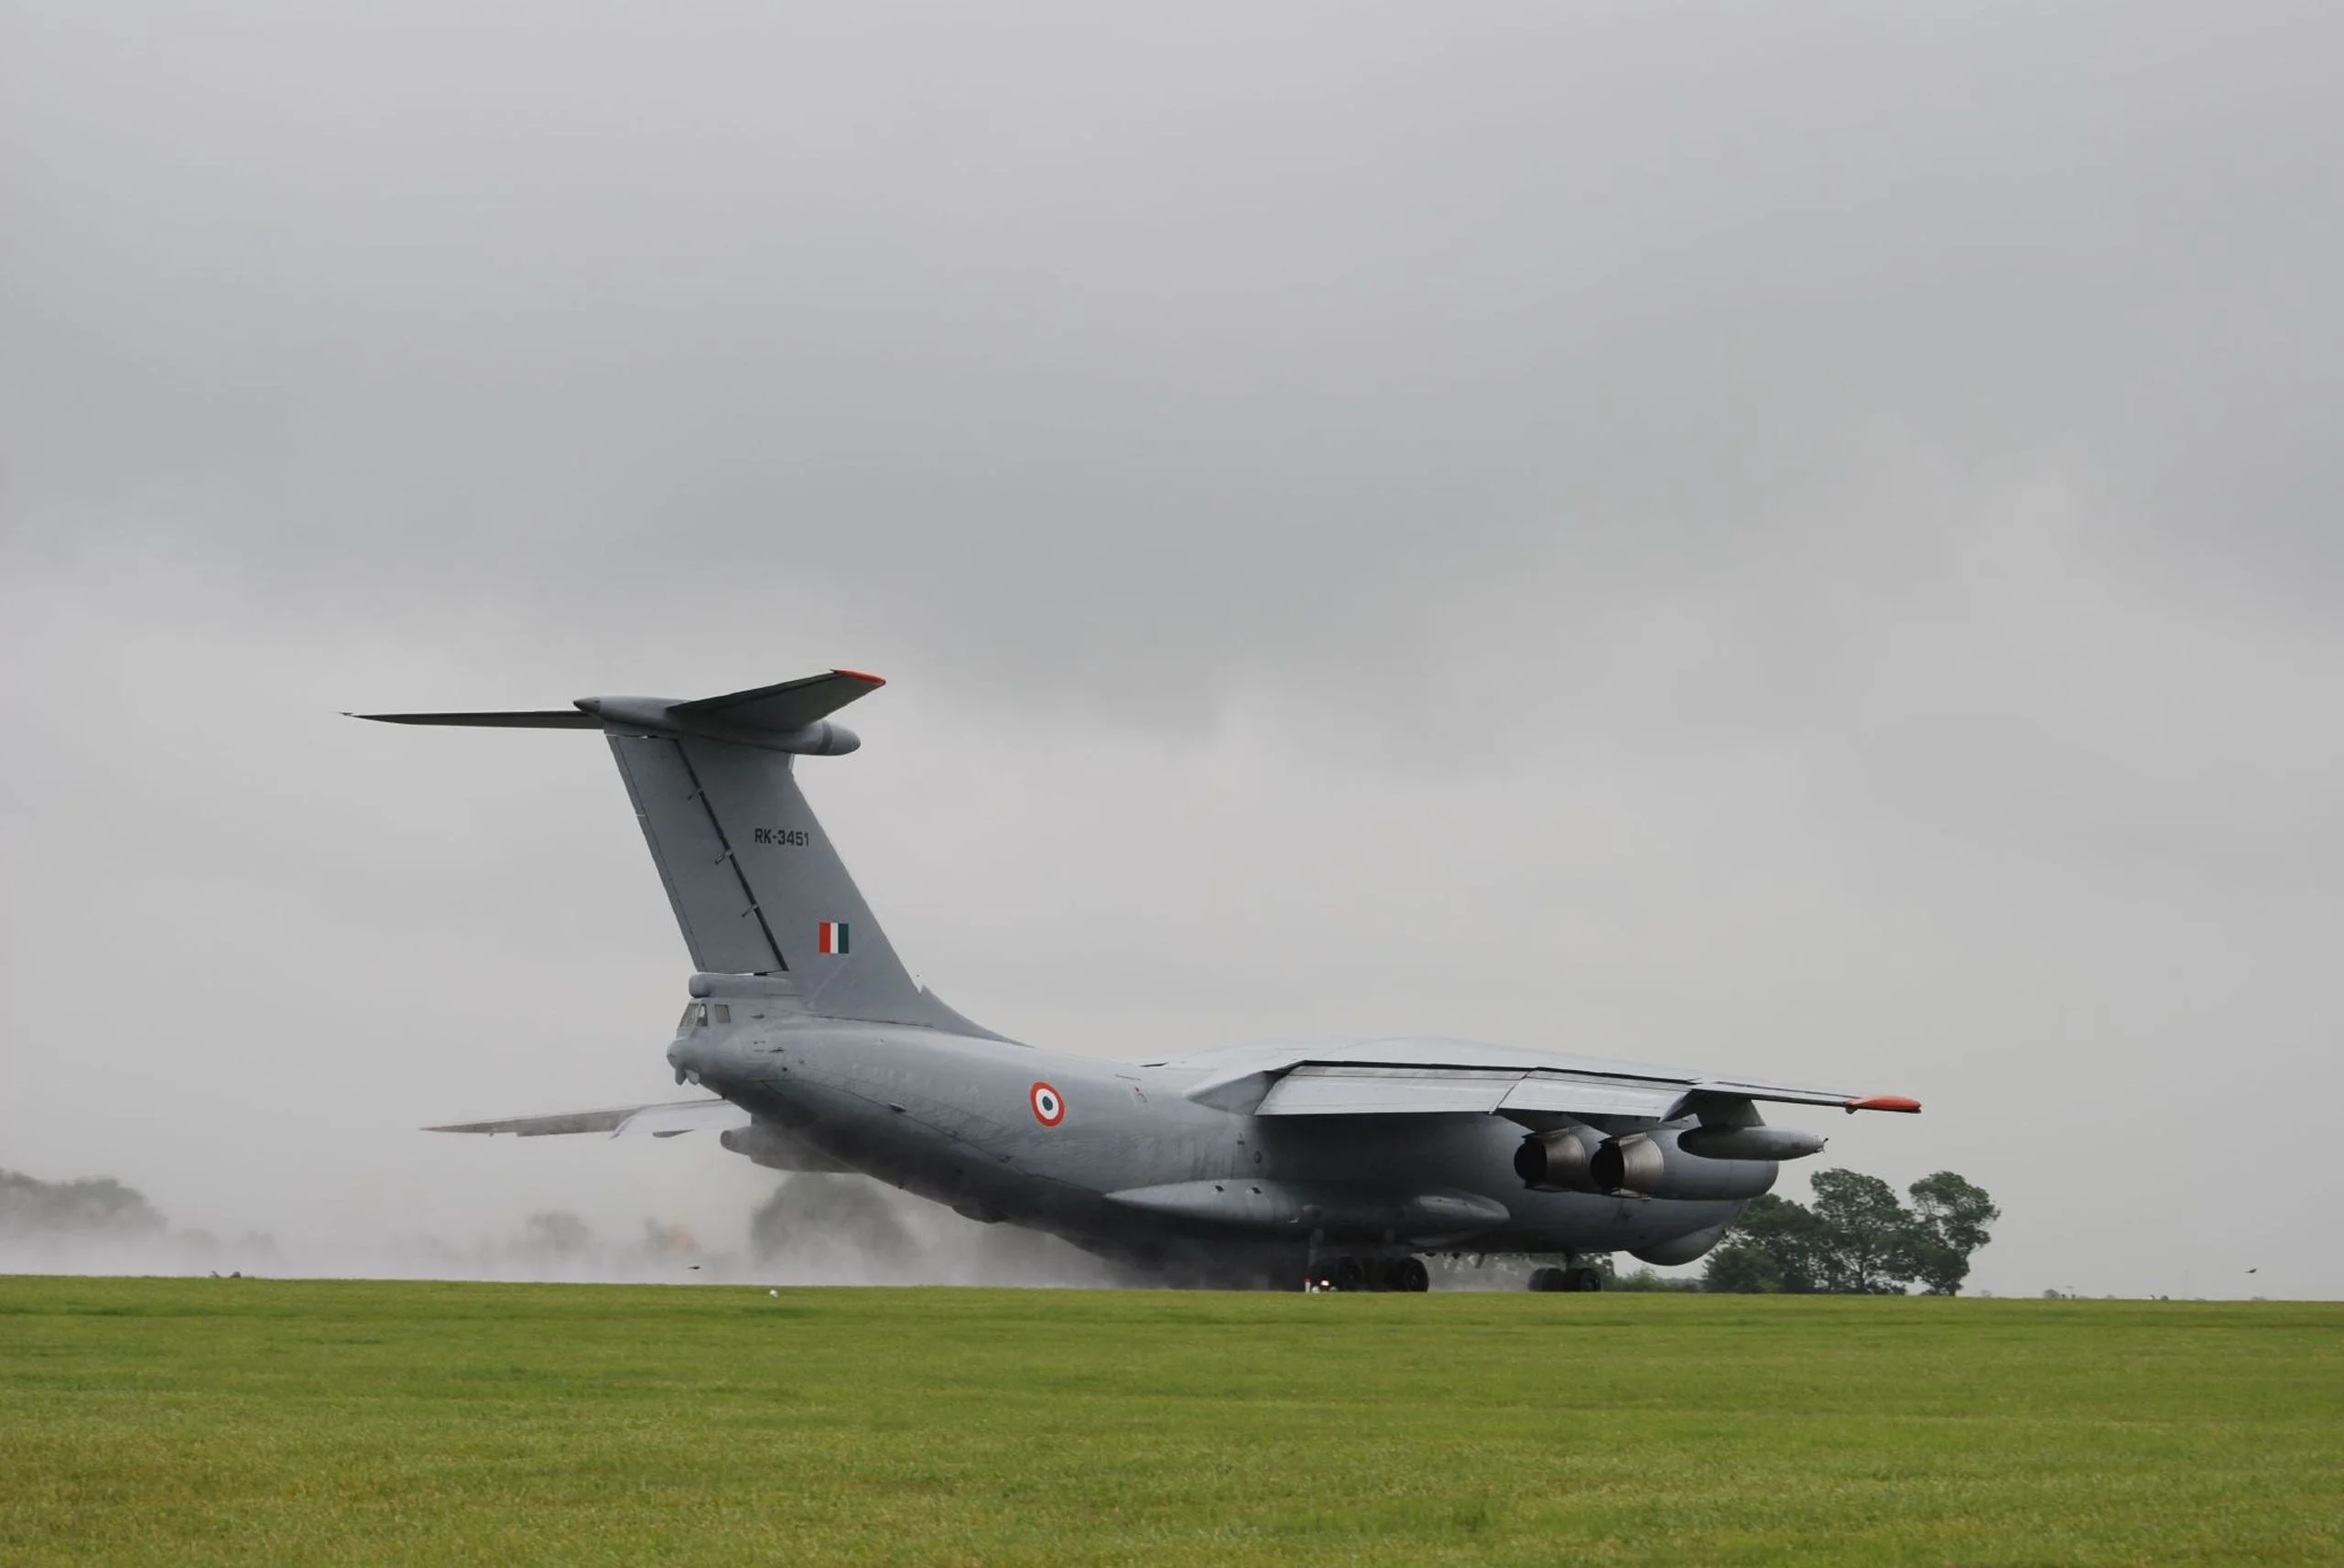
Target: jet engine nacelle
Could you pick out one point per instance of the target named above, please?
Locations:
(1561, 1162)
(1753, 1142)
(1652, 1163)
(1649, 1164)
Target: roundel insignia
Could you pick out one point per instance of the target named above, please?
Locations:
(1049, 1106)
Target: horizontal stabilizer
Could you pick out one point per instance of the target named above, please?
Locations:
(781, 718)
(546, 719)
(664, 1120)
(791, 705)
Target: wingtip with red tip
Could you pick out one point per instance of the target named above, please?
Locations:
(857, 675)
(1882, 1102)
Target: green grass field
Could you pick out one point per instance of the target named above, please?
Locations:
(169, 1420)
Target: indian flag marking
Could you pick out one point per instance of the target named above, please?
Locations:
(833, 936)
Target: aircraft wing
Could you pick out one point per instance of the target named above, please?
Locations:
(1418, 1078)
(664, 1120)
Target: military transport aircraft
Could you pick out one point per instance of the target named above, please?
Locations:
(1271, 1164)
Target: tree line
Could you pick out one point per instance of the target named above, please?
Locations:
(94, 1205)
(1858, 1238)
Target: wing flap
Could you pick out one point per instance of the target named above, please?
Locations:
(1320, 1089)
(1783, 1094)
(1429, 1078)
(1332, 1089)
(1586, 1096)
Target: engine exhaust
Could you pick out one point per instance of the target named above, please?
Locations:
(1648, 1164)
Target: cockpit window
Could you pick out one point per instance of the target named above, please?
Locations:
(723, 1014)
(686, 1022)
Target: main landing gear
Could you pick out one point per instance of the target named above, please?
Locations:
(1579, 1277)
(1349, 1273)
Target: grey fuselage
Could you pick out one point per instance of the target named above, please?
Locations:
(952, 1118)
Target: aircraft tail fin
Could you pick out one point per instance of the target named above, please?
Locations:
(755, 882)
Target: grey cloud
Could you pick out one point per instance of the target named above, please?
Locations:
(1293, 324)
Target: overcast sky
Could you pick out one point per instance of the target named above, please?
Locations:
(1800, 540)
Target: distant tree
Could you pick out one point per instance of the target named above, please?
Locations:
(1776, 1245)
(555, 1235)
(29, 1206)
(1949, 1223)
(1867, 1244)
(1644, 1279)
(1857, 1239)
(1742, 1265)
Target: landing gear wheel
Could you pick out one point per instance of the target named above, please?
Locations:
(1348, 1275)
(1572, 1279)
(1406, 1274)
